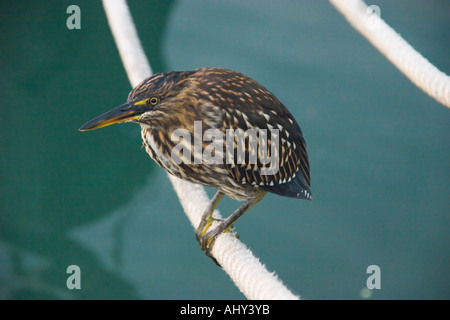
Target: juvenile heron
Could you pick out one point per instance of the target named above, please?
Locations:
(219, 128)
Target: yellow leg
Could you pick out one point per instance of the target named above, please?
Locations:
(207, 218)
(207, 238)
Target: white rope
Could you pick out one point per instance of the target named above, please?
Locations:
(410, 62)
(249, 275)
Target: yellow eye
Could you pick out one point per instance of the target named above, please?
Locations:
(153, 101)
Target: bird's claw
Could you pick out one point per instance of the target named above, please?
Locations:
(207, 243)
(207, 237)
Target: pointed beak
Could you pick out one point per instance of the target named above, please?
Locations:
(123, 113)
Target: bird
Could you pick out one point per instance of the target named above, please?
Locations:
(219, 128)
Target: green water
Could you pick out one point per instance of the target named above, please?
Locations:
(379, 152)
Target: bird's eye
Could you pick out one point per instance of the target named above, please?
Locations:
(153, 101)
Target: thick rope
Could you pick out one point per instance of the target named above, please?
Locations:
(249, 275)
(410, 62)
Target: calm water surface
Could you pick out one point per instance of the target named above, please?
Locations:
(379, 152)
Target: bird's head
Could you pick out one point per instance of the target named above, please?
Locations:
(155, 96)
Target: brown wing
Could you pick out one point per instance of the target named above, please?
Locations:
(264, 144)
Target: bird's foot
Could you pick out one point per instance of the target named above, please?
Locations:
(207, 237)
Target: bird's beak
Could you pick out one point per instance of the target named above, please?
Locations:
(123, 113)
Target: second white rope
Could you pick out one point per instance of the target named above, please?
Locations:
(401, 54)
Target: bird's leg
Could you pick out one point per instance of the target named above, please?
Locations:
(207, 218)
(207, 239)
